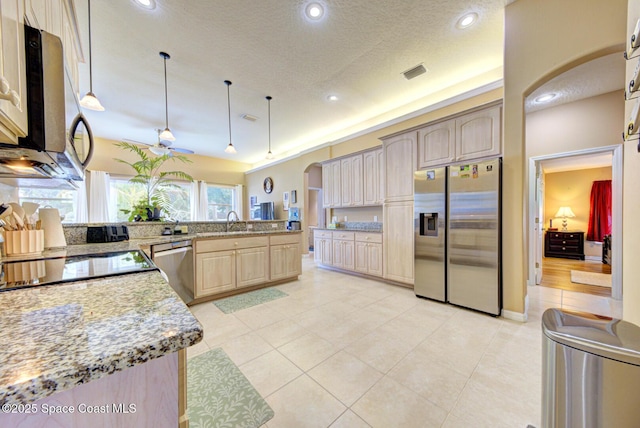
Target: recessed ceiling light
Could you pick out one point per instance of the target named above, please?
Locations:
(332, 98)
(147, 4)
(467, 20)
(545, 98)
(314, 11)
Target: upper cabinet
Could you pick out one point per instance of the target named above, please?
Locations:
(58, 17)
(13, 89)
(471, 136)
(373, 177)
(353, 181)
(399, 163)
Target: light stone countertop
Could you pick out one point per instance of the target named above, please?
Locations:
(60, 336)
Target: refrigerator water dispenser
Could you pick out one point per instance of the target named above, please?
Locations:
(429, 224)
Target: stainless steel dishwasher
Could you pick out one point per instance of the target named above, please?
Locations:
(175, 259)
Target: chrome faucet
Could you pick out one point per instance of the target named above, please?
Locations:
(232, 222)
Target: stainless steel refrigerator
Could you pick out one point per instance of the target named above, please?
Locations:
(457, 235)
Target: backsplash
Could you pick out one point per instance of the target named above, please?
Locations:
(77, 233)
(369, 226)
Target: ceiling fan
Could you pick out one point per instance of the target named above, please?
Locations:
(161, 148)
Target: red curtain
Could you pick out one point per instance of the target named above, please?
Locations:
(600, 211)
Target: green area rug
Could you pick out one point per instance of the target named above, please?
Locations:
(218, 394)
(247, 300)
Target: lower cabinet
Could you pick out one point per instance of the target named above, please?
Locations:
(286, 257)
(368, 252)
(323, 247)
(230, 263)
(398, 241)
(351, 251)
(343, 250)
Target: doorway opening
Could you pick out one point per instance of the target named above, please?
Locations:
(560, 180)
(313, 202)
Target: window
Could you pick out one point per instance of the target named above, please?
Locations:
(221, 200)
(124, 194)
(62, 199)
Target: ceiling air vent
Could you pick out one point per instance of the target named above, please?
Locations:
(414, 72)
(249, 117)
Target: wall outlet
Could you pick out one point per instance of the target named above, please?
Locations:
(249, 226)
(274, 226)
(184, 229)
(375, 218)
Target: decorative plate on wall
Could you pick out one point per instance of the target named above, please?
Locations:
(268, 185)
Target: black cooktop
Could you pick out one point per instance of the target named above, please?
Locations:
(56, 270)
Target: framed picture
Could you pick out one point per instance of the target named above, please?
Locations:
(294, 196)
(253, 201)
(268, 185)
(285, 201)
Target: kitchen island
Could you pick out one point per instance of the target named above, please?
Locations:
(104, 351)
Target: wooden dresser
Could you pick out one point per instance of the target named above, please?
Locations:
(568, 245)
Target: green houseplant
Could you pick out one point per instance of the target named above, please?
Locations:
(155, 182)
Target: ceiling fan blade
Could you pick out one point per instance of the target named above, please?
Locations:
(179, 150)
(126, 140)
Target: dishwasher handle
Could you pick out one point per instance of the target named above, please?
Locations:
(163, 253)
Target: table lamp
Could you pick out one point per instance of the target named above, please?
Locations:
(564, 213)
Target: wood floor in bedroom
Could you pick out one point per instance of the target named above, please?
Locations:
(556, 273)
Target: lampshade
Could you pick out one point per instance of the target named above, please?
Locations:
(90, 101)
(230, 149)
(166, 135)
(565, 212)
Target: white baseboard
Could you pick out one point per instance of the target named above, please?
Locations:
(517, 316)
(593, 258)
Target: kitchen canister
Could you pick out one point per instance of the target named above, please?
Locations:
(23, 242)
(52, 226)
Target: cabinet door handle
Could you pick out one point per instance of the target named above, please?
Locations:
(13, 97)
(564, 242)
(563, 248)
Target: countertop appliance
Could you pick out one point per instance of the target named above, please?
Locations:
(175, 259)
(107, 233)
(267, 211)
(457, 219)
(54, 270)
(59, 142)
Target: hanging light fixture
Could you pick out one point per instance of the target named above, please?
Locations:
(230, 149)
(90, 101)
(166, 134)
(269, 154)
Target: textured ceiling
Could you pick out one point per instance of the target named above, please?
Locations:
(357, 52)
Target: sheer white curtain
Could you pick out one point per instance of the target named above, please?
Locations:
(199, 201)
(98, 195)
(239, 201)
(80, 202)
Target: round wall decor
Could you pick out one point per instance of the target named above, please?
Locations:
(268, 185)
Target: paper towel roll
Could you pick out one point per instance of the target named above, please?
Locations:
(52, 225)
(635, 42)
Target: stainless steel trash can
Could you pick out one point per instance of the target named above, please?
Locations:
(590, 371)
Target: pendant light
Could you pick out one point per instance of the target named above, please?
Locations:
(230, 149)
(90, 101)
(269, 154)
(166, 134)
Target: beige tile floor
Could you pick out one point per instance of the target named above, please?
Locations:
(343, 351)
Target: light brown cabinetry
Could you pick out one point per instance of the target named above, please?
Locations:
(331, 184)
(344, 250)
(230, 263)
(373, 177)
(471, 136)
(353, 181)
(398, 237)
(399, 153)
(436, 144)
(13, 89)
(368, 252)
(323, 247)
(286, 259)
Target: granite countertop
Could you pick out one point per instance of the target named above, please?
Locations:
(60, 336)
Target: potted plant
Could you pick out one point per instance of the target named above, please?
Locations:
(155, 182)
